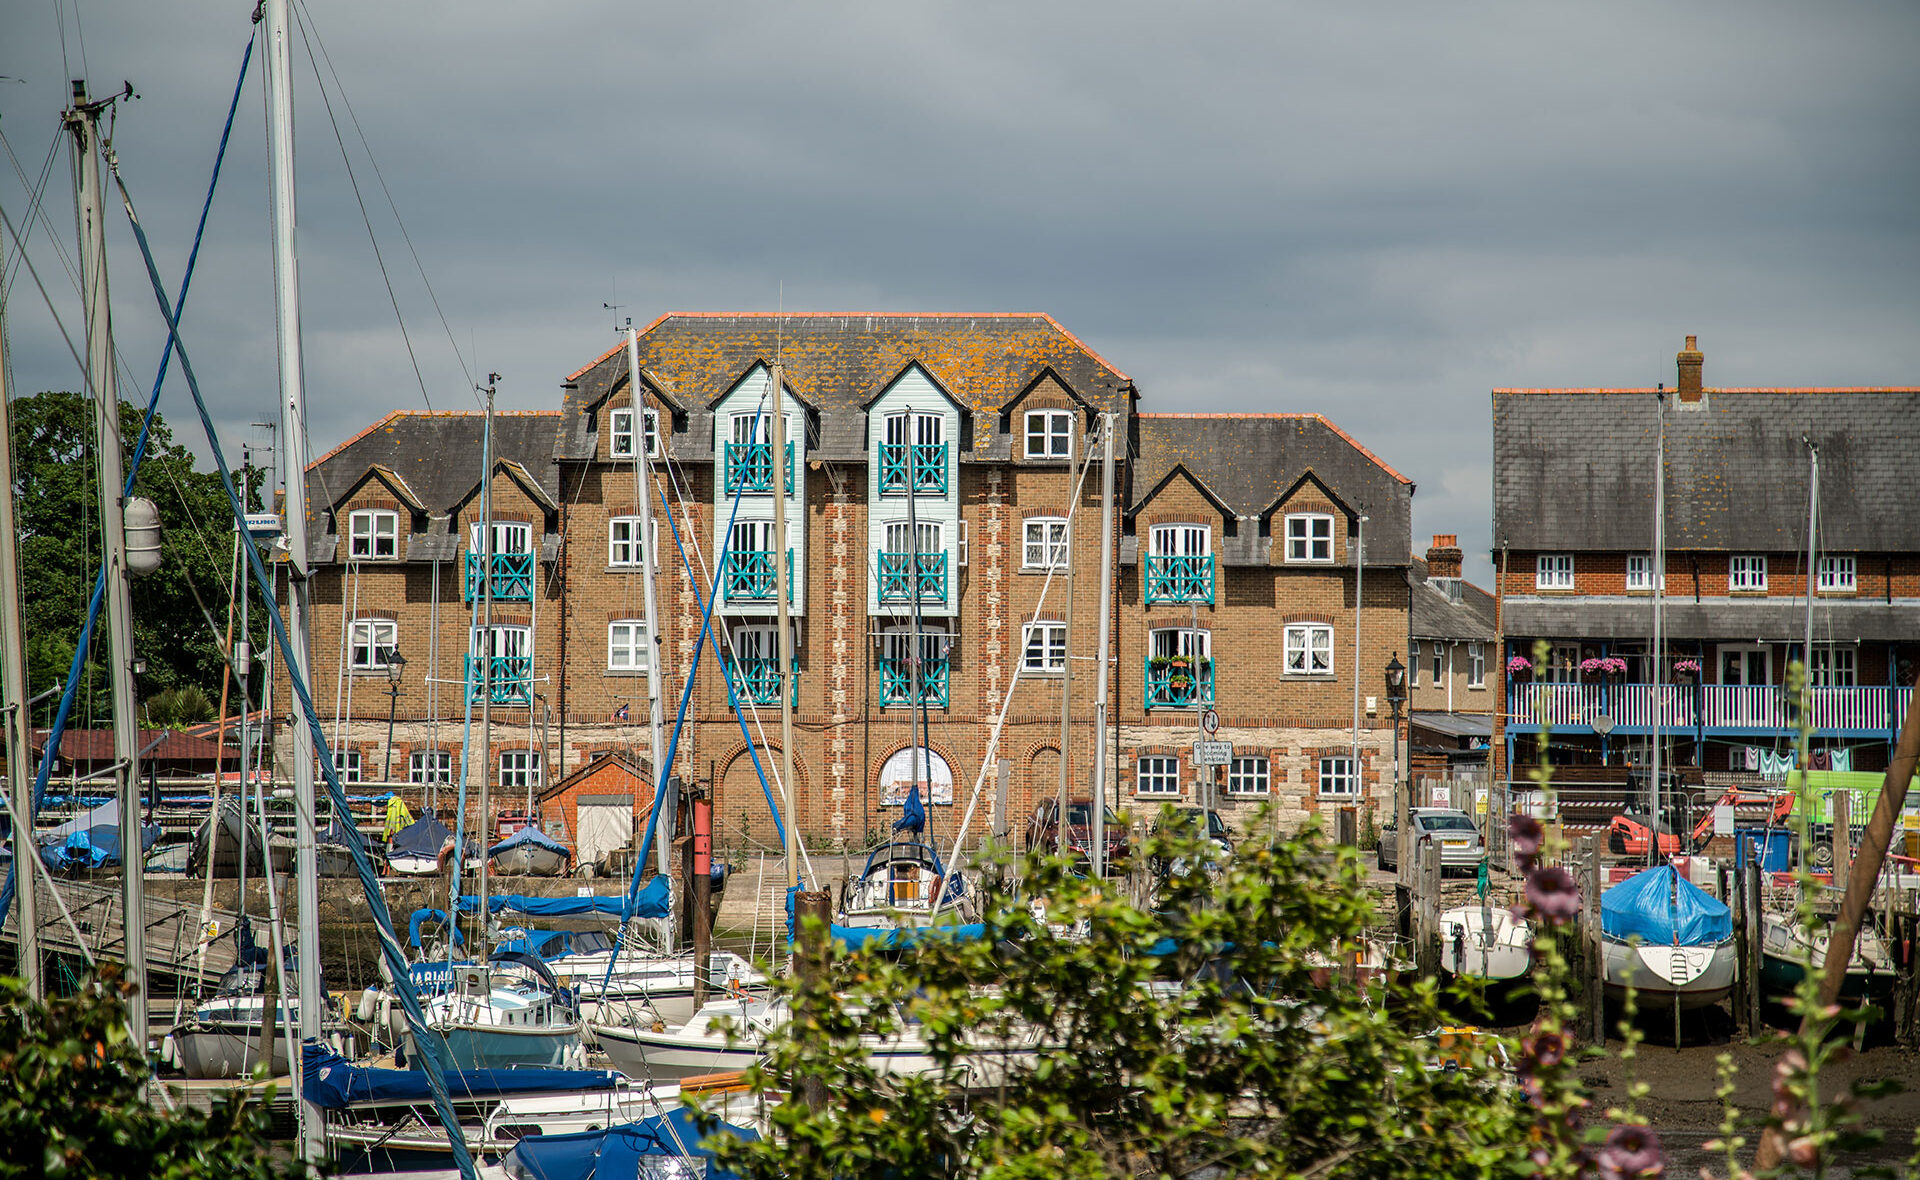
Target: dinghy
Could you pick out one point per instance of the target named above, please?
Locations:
(1667, 939)
(1486, 943)
(1785, 950)
(530, 852)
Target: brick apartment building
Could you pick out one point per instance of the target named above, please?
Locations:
(1574, 496)
(1235, 538)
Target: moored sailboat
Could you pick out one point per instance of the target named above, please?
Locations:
(1667, 939)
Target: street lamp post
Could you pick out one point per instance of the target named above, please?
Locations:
(1396, 698)
(396, 663)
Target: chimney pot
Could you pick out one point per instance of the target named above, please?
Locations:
(1445, 559)
(1690, 361)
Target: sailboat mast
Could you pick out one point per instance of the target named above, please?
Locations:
(293, 430)
(1659, 603)
(1099, 817)
(83, 122)
(488, 652)
(13, 683)
(643, 470)
(783, 634)
(1813, 553)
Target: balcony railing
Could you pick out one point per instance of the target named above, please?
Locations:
(512, 680)
(897, 583)
(1870, 708)
(1180, 579)
(896, 682)
(1177, 684)
(920, 466)
(759, 680)
(749, 467)
(750, 576)
(512, 577)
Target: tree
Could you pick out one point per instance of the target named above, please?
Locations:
(57, 507)
(74, 1104)
(1209, 1034)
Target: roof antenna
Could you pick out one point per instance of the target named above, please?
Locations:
(617, 326)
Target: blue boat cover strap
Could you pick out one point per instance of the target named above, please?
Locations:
(422, 917)
(529, 835)
(331, 1082)
(1660, 906)
(616, 1153)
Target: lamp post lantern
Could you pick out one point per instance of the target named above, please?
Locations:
(396, 664)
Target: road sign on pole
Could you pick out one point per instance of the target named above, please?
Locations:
(1212, 753)
(1210, 722)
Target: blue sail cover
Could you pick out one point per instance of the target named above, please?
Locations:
(913, 815)
(530, 835)
(90, 840)
(616, 1153)
(1659, 904)
(651, 903)
(331, 1082)
(421, 917)
(857, 937)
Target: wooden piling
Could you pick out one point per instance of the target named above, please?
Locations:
(1430, 908)
(1733, 892)
(1756, 938)
(1842, 835)
(1590, 945)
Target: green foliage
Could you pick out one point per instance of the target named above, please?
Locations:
(58, 511)
(1236, 1050)
(179, 707)
(74, 1104)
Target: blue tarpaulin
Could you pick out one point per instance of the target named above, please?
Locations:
(529, 835)
(90, 840)
(1660, 906)
(425, 836)
(331, 1082)
(616, 1153)
(651, 902)
(857, 937)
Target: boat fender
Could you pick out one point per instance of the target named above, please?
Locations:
(369, 1004)
(659, 1025)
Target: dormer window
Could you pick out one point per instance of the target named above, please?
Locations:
(373, 534)
(620, 440)
(1049, 434)
(1309, 537)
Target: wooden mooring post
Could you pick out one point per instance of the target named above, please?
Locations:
(1756, 938)
(1733, 891)
(1842, 836)
(1429, 908)
(1590, 945)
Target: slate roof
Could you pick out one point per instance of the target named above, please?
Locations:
(437, 455)
(1763, 621)
(1249, 462)
(1435, 614)
(837, 364)
(1573, 469)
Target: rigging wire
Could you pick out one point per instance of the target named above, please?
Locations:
(38, 191)
(310, 36)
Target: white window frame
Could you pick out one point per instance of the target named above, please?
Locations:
(932, 535)
(368, 642)
(1180, 540)
(346, 766)
(620, 553)
(1312, 644)
(1413, 664)
(1553, 571)
(1476, 665)
(509, 536)
(1156, 776)
(1337, 778)
(1053, 426)
(367, 528)
(1835, 665)
(1180, 641)
(620, 433)
(627, 646)
(1046, 543)
(512, 641)
(1640, 573)
(1250, 776)
(1440, 662)
(1839, 574)
(518, 769)
(1747, 573)
(430, 766)
(1303, 542)
(1046, 640)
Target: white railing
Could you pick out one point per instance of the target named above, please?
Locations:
(1716, 706)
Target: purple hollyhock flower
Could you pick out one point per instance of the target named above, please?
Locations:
(1543, 1050)
(1553, 894)
(1632, 1153)
(1527, 834)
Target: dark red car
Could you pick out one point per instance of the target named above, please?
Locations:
(1043, 829)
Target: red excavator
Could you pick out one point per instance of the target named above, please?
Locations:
(1632, 834)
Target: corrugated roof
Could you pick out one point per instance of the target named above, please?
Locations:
(1573, 469)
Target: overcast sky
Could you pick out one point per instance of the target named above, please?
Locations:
(1374, 211)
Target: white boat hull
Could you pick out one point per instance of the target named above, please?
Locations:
(530, 860)
(1485, 942)
(1700, 976)
(214, 1051)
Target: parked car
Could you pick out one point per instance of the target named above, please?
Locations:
(1043, 829)
(1454, 831)
(1188, 821)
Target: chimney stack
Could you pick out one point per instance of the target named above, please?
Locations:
(1690, 361)
(1444, 558)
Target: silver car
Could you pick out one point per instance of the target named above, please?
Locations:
(1454, 831)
